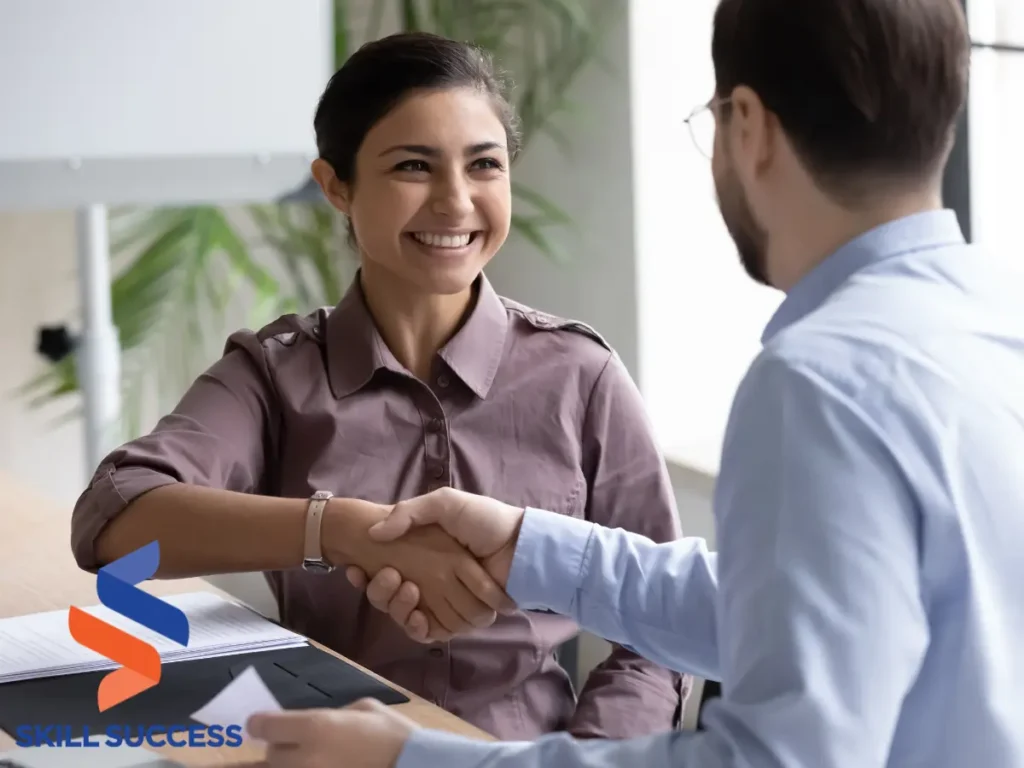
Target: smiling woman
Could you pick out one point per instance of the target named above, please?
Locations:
(282, 455)
(419, 163)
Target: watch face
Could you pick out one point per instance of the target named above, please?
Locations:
(318, 566)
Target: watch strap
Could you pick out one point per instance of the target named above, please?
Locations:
(313, 555)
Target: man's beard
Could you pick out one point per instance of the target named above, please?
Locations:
(750, 239)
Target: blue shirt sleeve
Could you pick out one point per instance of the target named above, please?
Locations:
(820, 623)
(656, 599)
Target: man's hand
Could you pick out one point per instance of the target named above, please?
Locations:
(455, 593)
(366, 734)
(489, 529)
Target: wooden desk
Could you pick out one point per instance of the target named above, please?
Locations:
(38, 573)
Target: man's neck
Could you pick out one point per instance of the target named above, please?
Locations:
(817, 234)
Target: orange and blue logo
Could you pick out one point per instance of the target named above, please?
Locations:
(139, 660)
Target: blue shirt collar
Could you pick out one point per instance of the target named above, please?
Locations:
(919, 231)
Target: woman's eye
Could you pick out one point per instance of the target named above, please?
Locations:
(412, 165)
(487, 163)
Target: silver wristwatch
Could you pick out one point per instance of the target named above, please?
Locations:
(313, 555)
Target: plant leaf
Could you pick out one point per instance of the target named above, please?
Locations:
(546, 207)
(531, 229)
(341, 33)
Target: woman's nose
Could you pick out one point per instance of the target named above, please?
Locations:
(452, 198)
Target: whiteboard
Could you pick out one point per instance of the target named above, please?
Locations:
(128, 99)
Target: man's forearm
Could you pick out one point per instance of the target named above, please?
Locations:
(619, 586)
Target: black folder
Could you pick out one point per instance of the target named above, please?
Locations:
(300, 678)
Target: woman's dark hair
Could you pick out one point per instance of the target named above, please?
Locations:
(866, 90)
(380, 74)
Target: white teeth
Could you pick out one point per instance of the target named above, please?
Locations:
(442, 241)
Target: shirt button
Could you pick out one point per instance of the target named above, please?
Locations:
(443, 381)
(437, 653)
(434, 425)
(437, 470)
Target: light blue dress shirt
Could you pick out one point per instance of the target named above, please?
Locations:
(867, 604)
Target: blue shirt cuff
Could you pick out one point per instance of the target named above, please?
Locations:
(549, 561)
(437, 748)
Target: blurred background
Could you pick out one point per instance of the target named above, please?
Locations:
(154, 180)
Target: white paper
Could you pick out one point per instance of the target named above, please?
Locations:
(243, 697)
(40, 644)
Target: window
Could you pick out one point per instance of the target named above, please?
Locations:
(996, 121)
(700, 316)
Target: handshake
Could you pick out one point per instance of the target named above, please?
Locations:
(438, 564)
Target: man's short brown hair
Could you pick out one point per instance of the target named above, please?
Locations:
(865, 89)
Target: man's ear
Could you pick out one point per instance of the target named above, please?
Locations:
(337, 192)
(754, 131)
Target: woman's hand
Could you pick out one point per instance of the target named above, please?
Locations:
(487, 527)
(453, 587)
(400, 600)
(456, 592)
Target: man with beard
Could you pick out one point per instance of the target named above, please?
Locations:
(866, 605)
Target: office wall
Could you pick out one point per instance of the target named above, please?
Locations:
(593, 182)
(37, 286)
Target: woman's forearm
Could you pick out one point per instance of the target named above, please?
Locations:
(208, 531)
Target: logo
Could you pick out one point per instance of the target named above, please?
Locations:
(139, 660)
(116, 585)
(154, 736)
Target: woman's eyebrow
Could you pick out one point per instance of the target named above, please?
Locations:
(427, 151)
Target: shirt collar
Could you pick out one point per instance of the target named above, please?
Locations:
(356, 350)
(476, 350)
(920, 231)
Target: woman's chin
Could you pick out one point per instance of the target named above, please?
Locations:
(446, 275)
(450, 281)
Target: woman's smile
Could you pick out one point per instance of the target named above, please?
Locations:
(446, 245)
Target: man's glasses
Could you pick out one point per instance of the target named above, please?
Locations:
(701, 123)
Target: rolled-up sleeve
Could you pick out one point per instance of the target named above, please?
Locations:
(629, 488)
(218, 436)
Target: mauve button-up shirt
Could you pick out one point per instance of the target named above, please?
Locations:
(520, 406)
